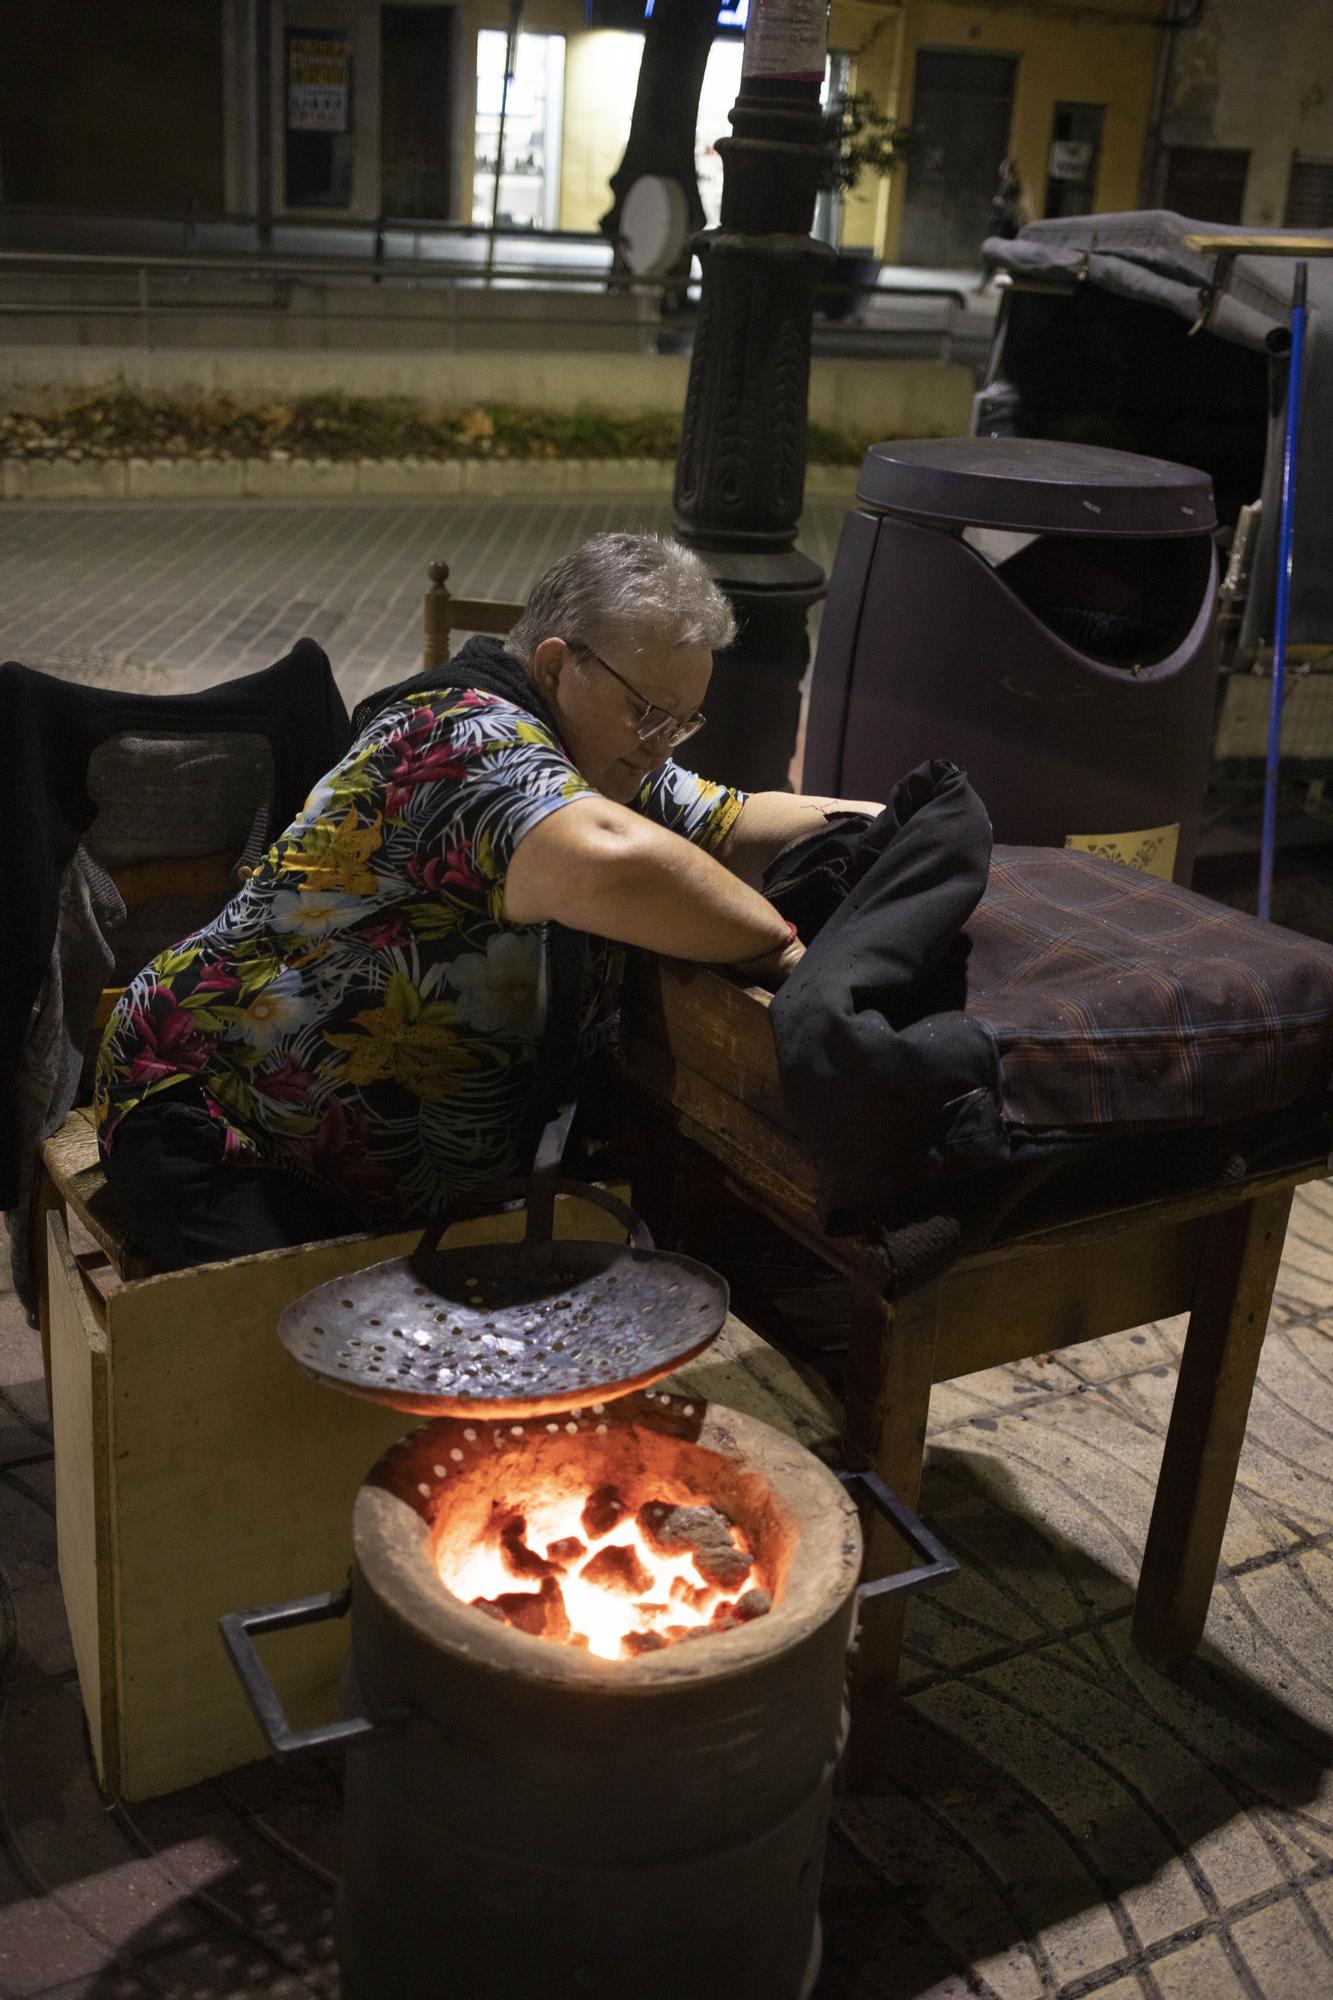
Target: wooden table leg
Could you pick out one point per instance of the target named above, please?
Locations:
(889, 1371)
(1238, 1267)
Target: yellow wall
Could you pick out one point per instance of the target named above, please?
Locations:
(872, 36)
(601, 75)
(1087, 61)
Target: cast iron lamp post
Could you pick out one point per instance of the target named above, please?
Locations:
(740, 473)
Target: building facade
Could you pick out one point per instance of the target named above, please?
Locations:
(1247, 118)
(356, 109)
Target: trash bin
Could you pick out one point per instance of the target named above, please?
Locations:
(1041, 613)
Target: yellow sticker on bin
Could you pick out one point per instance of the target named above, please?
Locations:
(1152, 850)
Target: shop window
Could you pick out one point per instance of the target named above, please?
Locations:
(530, 169)
(721, 87)
(1309, 195)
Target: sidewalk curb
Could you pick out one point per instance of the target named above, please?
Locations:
(347, 479)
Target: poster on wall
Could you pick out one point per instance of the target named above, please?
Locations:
(318, 81)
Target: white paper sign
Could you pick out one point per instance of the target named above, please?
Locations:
(1070, 159)
(317, 78)
(787, 38)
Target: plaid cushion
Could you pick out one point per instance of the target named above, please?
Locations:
(1115, 999)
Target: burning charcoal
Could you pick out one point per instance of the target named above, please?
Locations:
(754, 1604)
(651, 1610)
(540, 1612)
(711, 1631)
(602, 1511)
(566, 1551)
(727, 1566)
(704, 1532)
(618, 1568)
(672, 1531)
(579, 1641)
(635, 1643)
(519, 1559)
(694, 1596)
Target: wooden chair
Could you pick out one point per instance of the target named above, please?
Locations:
(444, 614)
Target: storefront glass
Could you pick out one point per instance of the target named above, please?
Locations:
(530, 170)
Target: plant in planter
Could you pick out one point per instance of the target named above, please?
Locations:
(859, 138)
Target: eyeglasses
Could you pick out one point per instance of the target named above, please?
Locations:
(651, 720)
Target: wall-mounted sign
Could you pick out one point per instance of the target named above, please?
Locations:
(319, 68)
(1070, 159)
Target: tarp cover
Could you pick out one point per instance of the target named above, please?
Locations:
(1142, 255)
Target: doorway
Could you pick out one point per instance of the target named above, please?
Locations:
(962, 108)
(1071, 166)
(415, 96)
(1206, 183)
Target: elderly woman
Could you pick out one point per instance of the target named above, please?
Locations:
(418, 971)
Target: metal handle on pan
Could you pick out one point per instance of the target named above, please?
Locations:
(263, 1697)
(508, 1191)
(936, 1565)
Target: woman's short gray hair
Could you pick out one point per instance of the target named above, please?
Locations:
(623, 588)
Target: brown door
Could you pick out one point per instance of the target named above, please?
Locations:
(415, 90)
(1206, 183)
(961, 112)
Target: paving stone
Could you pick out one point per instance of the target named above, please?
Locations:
(220, 1965)
(41, 1945)
(129, 575)
(1075, 1480)
(43, 1646)
(63, 1830)
(1286, 1948)
(1200, 1971)
(19, 1441)
(102, 1986)
(1017, 1583)
(27, 1536)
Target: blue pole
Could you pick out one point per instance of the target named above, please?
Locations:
(1268, 839)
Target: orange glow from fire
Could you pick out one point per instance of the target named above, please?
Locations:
(676, 1599)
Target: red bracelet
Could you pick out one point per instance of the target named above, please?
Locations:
(793, 937)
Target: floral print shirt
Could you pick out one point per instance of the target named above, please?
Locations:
(361, 1013)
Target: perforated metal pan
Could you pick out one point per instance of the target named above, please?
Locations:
(510, 1329)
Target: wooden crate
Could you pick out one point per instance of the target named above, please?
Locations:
(199, 1471)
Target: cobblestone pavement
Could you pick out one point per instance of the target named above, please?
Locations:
(1064, 1823)
(141, 595)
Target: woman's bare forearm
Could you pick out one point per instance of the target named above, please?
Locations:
(769, 820)
(597, 867)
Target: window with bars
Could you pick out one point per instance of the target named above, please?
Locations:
(1309, 195)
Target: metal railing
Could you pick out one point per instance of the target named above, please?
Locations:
(841, 327)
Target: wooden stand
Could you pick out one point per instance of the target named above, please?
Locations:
(699, 1061)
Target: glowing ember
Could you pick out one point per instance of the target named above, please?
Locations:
(585, 1571)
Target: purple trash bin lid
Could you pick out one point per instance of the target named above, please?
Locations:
(1036, 486)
